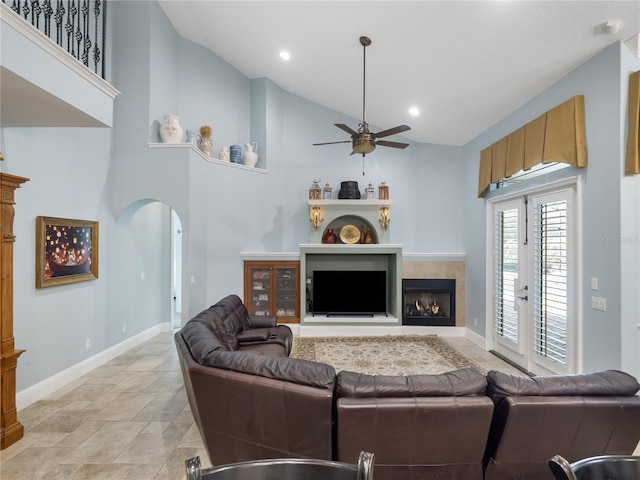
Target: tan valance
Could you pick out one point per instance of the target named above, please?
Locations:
(632, 164)
(555, 136)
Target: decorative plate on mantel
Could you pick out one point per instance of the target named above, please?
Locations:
(350, 234)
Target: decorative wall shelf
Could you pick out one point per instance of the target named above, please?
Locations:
(190, 147)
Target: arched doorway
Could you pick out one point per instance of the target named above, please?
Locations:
(148, 267)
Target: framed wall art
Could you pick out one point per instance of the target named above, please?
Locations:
(66, 251)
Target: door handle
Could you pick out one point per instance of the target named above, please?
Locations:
(525, 298)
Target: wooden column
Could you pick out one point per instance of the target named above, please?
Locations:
(10, 429)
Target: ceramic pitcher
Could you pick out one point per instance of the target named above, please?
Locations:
(250, 156)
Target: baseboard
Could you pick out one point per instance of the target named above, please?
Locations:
(36, 392)
(476, 338)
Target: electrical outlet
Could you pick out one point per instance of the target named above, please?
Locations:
(124, 328)
(475, 322)
(141, 275)
(599, 303)
(87, 343)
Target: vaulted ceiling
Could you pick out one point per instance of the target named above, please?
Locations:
(463, 64)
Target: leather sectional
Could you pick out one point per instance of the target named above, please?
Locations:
(251, 401)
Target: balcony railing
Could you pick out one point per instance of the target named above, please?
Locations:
(78, 26)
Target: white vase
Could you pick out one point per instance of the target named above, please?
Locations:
(171, 131)
(250, 156)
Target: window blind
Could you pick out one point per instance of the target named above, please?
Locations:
(506, 272)
(550, 290)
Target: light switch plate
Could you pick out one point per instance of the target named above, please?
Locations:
(599, 303)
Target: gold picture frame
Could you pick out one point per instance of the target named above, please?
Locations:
(66, 251)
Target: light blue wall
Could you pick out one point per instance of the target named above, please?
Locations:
(68, 169)
(629, 239)
(114, 177)
(599, 81)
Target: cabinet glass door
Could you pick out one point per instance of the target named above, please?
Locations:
(286, 298)
(260, 289)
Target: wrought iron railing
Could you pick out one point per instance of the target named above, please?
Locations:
(78, 26)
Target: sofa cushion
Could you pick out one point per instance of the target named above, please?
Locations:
(200, 341)
(605, 383)
(466, 381)
(287, 369)
(233, 313)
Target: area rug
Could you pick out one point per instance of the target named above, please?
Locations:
(383, 355)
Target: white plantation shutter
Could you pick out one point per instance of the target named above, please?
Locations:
(506, 271)
(550, 292)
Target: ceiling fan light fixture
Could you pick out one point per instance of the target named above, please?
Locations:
(363, 145)
(414, 112)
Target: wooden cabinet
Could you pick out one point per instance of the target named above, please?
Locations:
(273, 288)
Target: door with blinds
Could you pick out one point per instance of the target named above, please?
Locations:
(534, 299)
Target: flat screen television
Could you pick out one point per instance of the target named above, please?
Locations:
(352, 292)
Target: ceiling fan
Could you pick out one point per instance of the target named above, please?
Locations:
(364, 141)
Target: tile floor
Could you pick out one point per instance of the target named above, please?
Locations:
(128, 419)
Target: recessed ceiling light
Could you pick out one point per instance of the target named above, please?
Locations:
(285, 55)
(414, 112)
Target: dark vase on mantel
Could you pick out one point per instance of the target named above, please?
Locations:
(329, 236)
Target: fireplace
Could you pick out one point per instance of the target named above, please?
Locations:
(429, 302)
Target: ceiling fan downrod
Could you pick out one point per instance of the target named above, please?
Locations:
(365, 42)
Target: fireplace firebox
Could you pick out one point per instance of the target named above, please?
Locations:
(429, 302)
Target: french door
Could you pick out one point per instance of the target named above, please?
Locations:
(533, 304)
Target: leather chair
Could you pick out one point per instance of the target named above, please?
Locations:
(575, 416)
(419, 427)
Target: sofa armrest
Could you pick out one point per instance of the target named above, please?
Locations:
(253, 336)
(262, 321)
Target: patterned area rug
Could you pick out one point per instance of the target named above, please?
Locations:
(383, 355)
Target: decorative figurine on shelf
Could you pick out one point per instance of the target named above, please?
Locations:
(206, 144)
(224, 154)
(171, 131)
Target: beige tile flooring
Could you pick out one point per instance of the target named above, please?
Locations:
(128, 419)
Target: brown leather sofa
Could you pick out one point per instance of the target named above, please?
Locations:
(575, 416)
(418, 427)
(250, 401)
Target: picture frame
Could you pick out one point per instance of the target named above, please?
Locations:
(66, 251)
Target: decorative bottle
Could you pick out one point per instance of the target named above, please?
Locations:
(206, 143)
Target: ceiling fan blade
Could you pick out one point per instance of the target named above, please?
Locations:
(393, 131)
(346, 128)
(386, 143)
(331, 143)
